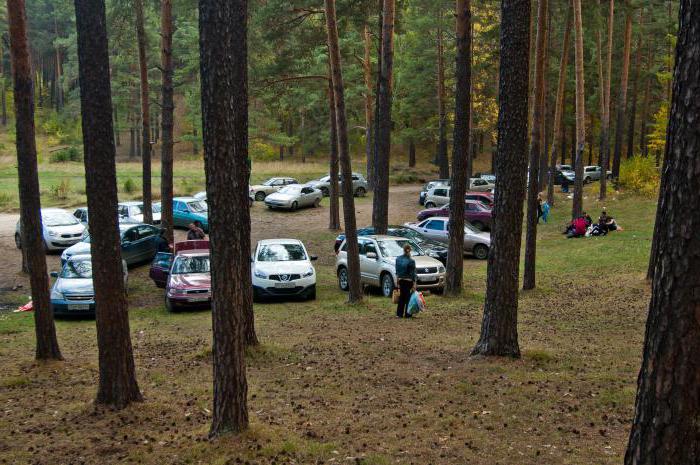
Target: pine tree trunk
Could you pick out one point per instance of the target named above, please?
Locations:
(558, 129)
(665, 427)
(334, 211)
(132, 143)
(635, 88)
(535, 148)
(577, 207)
(411, 153)
(367, 73)
(643, 146)
(28, 176)
(499, 328)
(168, 109)
(622, 100)
(380, 205)
(544, 146)
(223, 50)
(3, 97)
(353, 253)
(605, 123)
(117, 137)
(117, 381)
(372, 181)
(145, 113)
(443, 162)
(460, 151)
(59, 70)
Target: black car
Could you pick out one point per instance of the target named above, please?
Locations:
(431, 248)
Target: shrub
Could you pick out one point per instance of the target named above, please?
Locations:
(68, 154)
(129, 186)
(640, 174)
(261, 151)
(5, 199)
(61, 191)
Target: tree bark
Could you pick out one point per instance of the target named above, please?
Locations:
(558, 129)
(535, 148)
(3, 97)
(334, 211)
(605, 123)
(635, 89)
(411, 153)
(28, 176)
(353, 254)
(577, 206)
(643, 146)
(499, 328)
(367, 73)
(168, 109)
(224, 53)
(380, 204)
(665, 427)
(460, 151)
(443, 162)
(145, 113)
(544, 127)
(622, 100)
(117, 385)
(58, 69)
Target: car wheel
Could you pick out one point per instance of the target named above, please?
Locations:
(343, 282)
(429, 205)
(479, 225)
(18, 241)
(260, 196)
(325, 191)
(317, 203)
(481, 252)
(360, 192)
(294, 206)
(387, 285)
(587, 180)
(312, 294)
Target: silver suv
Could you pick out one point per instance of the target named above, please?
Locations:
(359, 184)
(378, 264)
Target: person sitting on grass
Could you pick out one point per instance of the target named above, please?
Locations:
(607, 223)
(577, 227)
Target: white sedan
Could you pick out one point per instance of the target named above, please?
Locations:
(282, 268)
(294, 196)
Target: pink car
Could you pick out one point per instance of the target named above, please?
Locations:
(476, 213)
(189, 280)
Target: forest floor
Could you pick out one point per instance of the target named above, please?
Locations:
(339, 384)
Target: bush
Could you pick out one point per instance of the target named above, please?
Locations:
(640, 174)
(260, 151)
(129, 186)
(5, 199)
(68, 154)
(61, 191)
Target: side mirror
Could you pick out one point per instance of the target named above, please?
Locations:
(54, 274)
(313, 258)
(372, 255)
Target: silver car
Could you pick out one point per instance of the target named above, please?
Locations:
(293, 197)
(378, 264)
(60, 229)
(272, 185)
(476, 242)
(359, 184)
(132, 212)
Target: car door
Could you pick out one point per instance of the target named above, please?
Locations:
(129, 245)
(160, 268)
(433, 229)
(147, 241)
(372, 266)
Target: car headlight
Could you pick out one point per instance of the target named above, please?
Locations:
(177, 291)
(441, 269)
(53, 233)
(56, 295)
(308, 273)
(260, 274)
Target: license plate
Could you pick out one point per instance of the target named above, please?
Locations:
(79, 307)
(426, 278)
(198, 299)
(285, 285)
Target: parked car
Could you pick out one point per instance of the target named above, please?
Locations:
(437, 196)
(590, 174)
(430, 185)
(480, 185)
(60, 229)
(188, 284)
(72, 294)
(489, 177)
(475, 213)
(430, 247)
(359, 184)
(272, 185)
(378, 264)
(203, 197)
(138, 244)
(132, 212)
(293, 197)
(160, 268)
(476, 242)
(484, 197)
(81, 213)
(282, 268)
(187, 210)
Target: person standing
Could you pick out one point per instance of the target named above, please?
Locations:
(196, 232)
(406, 275)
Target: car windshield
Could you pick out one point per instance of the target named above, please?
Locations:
(269, 182)
(281, 253)
(77, 269)
(197, 206)
(292, 190)
(394, 248)
(471, 229)
(59, 219)
(409, 233)
(156, 208)
(186, 265)
(136, 210)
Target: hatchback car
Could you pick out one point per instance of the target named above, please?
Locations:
(60, 229)
(187, 210)
(188, 283)
(272, 185)
(359, 184)
(282, 268)
(132, 212)
(429, 185)
(139, 243)
(437, 196)
(73, 294)
(476, 213)
(476, 242)
(293, 197)
(430, 247)
(480, 185)
(378, 264)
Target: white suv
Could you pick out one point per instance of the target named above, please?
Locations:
(378, 264)
(282, 268)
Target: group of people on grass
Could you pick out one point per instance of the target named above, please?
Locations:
(584, 226)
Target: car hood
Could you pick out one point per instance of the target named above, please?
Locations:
(74, 286)
(191, 281)
(280, 196)
(81, 248)
(258, 186)
(69, 229)
(296, 267)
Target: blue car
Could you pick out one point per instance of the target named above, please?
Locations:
(139, 244)
(187, 210)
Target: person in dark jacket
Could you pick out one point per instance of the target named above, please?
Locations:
(162, 242)
(406, 275)
(196, 232)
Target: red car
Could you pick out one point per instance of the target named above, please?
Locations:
(476, 213)
(188, 283)
(484, 197)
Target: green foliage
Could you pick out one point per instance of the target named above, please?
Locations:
(60, 191)
(640, 174)
(68, 154)
(657, 138)
(129, 186)
(5, 199)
